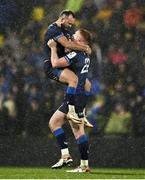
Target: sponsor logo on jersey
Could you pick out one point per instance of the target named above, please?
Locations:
(71, 55)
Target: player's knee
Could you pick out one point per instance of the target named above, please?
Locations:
(78, 130)
(79, 134)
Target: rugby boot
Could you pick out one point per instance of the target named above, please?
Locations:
(62, 162)
(86, 122)
(80, 169)
(72, 115)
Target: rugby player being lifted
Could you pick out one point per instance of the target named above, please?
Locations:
(60, 32)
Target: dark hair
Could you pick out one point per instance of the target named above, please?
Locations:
(86, 35)
(67, 13)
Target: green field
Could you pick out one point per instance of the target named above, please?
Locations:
(46, 173)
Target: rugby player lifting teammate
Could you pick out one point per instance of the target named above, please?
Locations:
(79, 63)
(59, 32)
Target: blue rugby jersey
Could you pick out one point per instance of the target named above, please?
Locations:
(54, 32)
(79, 63)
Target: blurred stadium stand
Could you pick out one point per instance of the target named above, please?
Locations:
(117, 72)
(104, 152)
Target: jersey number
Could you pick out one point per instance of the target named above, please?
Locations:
(86, 66)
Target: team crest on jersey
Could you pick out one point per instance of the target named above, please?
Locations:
(71, 55)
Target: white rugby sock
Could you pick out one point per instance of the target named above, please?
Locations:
(64, 152)
(84, 163)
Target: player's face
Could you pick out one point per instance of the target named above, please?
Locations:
(78, 37)
(68, 22)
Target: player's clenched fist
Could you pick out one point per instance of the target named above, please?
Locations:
(51, 43)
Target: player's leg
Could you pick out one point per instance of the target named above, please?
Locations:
(83, 145)
(69, 77)
(61, 75)
(80, 109)
(88, 86)
(56, 122)
(86, 99)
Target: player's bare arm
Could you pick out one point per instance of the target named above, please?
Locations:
(55, 61)
(73, 45)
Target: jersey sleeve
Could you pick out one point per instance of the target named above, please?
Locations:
(71, 57)
(55, 32)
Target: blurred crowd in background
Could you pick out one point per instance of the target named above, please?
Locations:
(117, 72)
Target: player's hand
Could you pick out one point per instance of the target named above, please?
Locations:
(51, 43)
(88, 50)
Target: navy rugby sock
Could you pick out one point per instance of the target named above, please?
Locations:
(80, 104)
(61, 138)
(87, 97)
(70, 95)
(84, 99)
(82, 142)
